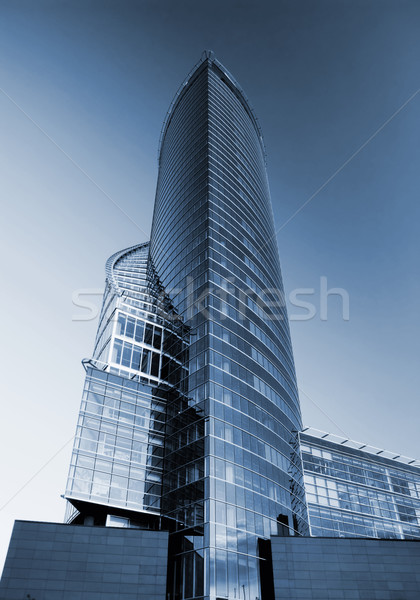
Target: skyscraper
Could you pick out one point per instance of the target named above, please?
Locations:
(190, 410)
(190, 419)
(213, 246)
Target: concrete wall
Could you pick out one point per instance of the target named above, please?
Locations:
(52, 561)
(351, 568)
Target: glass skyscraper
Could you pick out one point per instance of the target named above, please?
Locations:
(189, 434)
(190, 411)
(354, 490)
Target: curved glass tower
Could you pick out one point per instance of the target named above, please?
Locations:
(190, 411)
(117, 462)
(213, 245)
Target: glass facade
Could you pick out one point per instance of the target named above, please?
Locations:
(190, 411)
(354, 492)
(213, 246)
(118, 452)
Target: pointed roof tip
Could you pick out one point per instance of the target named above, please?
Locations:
(207, 55)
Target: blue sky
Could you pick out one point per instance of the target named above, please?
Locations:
(84, 90)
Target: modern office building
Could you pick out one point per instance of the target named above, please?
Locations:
(190, 411)
(214, 249)
(355, 490)
(190, 418)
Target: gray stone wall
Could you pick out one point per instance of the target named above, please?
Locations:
(52, 561)
(351, 568)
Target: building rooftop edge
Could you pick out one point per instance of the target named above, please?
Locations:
(353, 445)
(208, 56)
(339, 539)
(109, 265)
(90, 527)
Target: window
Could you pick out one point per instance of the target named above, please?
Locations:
(113, 521)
